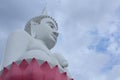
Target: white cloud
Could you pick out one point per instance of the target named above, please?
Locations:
(87, 63)
(79, 18)
(114, 74)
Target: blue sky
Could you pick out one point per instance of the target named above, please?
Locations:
(89, 33)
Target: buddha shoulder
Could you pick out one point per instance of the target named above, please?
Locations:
(19, 35)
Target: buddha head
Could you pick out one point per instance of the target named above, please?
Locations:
(43, 28)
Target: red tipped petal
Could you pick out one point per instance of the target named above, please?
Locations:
(32, 71)
(34, 63)
(64, 73)
(23, 65)
(4, 72)
(33, 59)
(14, 73)
(56, 73)
(27, 73)
(37, 73)
(64, 76)
(45, 67)
(56, 69)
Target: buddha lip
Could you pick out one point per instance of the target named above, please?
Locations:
(54, 36)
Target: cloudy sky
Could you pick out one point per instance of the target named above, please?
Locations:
(89, 33)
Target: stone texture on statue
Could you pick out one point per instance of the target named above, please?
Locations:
(39, 37)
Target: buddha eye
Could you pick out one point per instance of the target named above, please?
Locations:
(52, 26)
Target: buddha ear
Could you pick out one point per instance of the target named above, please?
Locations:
(33, 31)
(33, 28)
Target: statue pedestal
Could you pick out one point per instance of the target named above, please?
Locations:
(32, 71)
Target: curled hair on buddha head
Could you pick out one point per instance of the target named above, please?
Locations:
(37, 20)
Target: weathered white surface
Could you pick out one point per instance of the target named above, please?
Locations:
(43, 37)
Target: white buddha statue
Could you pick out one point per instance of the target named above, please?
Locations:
(39, 37)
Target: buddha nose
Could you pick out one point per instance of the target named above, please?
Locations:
(56, 34)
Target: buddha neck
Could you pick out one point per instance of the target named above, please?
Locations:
(43, 46)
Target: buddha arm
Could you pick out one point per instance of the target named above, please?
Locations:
(16, 45)
(62, 61)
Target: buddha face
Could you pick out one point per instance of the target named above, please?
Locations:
(46, 31)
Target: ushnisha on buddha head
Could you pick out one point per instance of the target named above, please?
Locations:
(43, 28)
